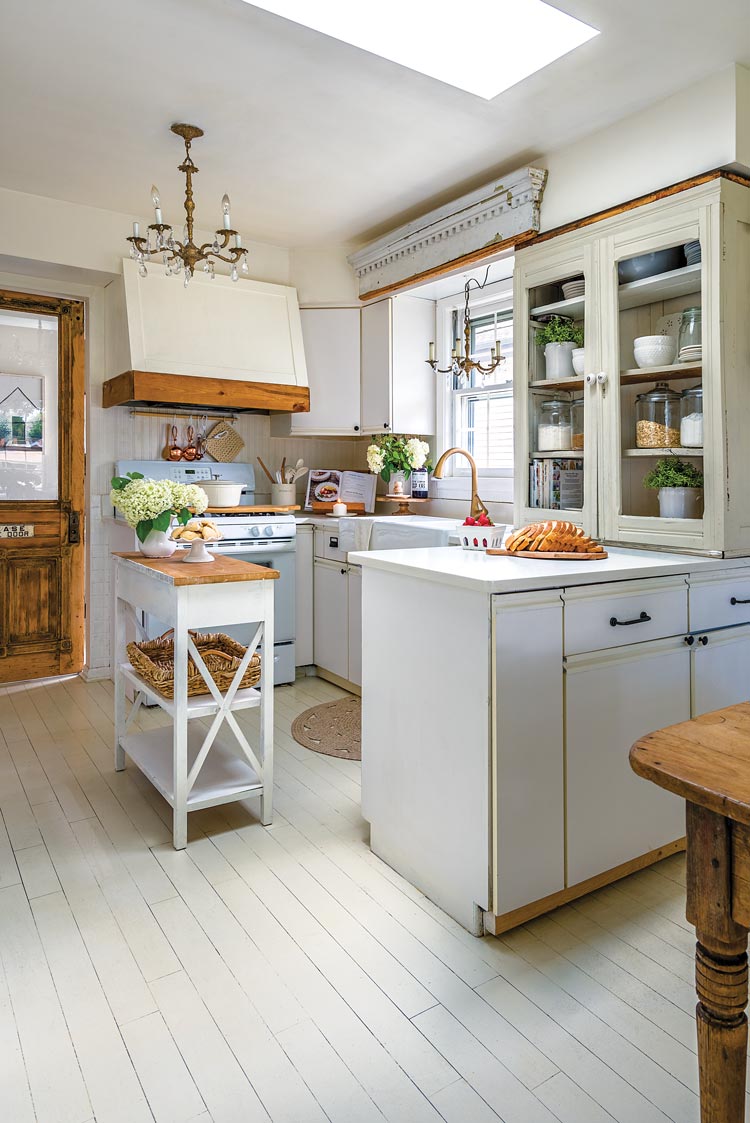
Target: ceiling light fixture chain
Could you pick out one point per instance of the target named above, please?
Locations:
(176, 254)
(462, 366)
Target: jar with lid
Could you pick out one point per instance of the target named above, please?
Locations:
(554, 429)
(691, 423)
(657, 418)
(576, 419)
(689, 340)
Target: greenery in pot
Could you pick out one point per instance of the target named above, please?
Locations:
(673, 472)
(559, 330)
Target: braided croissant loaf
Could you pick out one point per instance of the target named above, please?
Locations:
(552, 537)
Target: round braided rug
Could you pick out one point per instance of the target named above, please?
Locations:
(332, 728)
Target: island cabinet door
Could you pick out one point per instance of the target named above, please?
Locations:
(611, 699)
(720, 669)
(527, 773)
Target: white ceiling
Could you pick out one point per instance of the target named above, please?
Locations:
(315, 141)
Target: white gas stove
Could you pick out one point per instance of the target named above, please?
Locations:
(263, 538)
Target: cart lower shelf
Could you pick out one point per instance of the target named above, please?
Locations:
(223, 778)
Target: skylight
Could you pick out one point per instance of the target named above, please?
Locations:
(481, 46)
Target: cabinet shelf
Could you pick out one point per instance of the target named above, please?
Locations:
(559, 454)
(557, 384)
(638, 376)
(573, 308)
(649, 290)
(656, 452)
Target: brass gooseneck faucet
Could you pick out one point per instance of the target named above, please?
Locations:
(477, 506)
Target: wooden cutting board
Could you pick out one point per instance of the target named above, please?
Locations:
(550, 555)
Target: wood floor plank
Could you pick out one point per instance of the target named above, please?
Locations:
(37, 872)
(459, 1103)
(113, 1087)
(57, 1085)
(225, 1089)
(170, 1090)
(15, 1092)
(341, 1096)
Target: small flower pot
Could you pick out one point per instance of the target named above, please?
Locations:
(558, 359)
(680, 502)
(157, 544)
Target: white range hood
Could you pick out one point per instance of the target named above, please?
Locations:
(242, 332)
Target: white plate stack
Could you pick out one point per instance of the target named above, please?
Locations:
(692, 253)
(573, 289)
(691, 354)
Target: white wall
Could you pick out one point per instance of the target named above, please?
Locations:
(323, 275)
(703, 127)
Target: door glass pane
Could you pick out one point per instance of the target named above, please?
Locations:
(28, 406)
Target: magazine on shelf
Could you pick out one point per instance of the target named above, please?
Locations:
(327, 485)
(556, 484)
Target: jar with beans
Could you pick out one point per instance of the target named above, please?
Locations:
(657, 418)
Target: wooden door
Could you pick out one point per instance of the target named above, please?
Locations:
(41, 486)
(611, 699)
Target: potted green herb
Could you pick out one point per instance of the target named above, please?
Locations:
(559, 338)
(680, 487)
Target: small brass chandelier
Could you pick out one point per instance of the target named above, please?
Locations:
(177, 255)
(462, 365)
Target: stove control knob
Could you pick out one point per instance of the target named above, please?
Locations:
(255, 531)
(268, 531)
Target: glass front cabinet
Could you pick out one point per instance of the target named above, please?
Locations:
(632, 374)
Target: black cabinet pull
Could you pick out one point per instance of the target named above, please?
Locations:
(356, 428)
(703, 640)
(386, 425)
(690, 640)
(642, 619)
(333, 543)
(343, 571)
(738, 600)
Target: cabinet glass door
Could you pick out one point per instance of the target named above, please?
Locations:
(652, 396)
(556, 455)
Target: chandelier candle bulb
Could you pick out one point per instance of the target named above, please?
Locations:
(432, 353)
(136, 229)
(237, 241)
(225, 209)
(155, 199)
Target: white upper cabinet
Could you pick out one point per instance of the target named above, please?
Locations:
(600, 443)
(332, 349)
(398, 385)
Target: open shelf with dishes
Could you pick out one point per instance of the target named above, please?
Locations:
(660, 386)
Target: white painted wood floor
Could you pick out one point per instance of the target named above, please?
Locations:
(286, 973)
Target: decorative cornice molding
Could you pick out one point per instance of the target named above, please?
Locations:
(501, 210)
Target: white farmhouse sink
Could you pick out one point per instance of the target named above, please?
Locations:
(406, 532)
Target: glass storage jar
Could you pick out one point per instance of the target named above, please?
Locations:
(689, 340)
(554, 429)
(691, 423)
(576, 420)
(657, 418)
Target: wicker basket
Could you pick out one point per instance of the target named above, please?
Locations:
(154, 660)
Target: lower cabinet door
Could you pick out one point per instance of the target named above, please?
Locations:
(355, 625)
(611, 699)
(720, 669)
(331, 627)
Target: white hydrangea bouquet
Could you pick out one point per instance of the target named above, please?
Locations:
(152, 504)
(392, 453)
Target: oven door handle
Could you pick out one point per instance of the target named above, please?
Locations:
(273, 549)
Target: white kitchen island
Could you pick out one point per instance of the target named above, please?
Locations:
(500, 698)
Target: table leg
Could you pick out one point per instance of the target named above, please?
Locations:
(721, 967)
(120, 702)
(266, 708)
(180, 732)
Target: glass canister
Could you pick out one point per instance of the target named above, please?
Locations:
(691, 423)
(554, 428)
(657, 418)
(689, 340)
(576, 419)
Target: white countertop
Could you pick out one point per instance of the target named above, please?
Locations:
(471, 569)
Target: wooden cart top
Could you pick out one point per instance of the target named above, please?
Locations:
(705, 760)
(223, 569)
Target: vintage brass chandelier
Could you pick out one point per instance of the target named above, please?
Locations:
(185, 255)
(462, 365)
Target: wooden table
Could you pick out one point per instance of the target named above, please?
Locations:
(186, 763)
(707, 762)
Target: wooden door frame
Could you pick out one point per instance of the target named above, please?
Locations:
(71, 462)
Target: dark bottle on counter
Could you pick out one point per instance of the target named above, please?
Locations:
(420, 483)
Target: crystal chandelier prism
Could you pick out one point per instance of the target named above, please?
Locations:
(176, 255)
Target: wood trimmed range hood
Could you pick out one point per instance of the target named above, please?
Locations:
(216, 343)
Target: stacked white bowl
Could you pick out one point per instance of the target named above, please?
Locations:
(654, 350)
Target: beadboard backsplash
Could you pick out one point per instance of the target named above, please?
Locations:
(144, 438)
